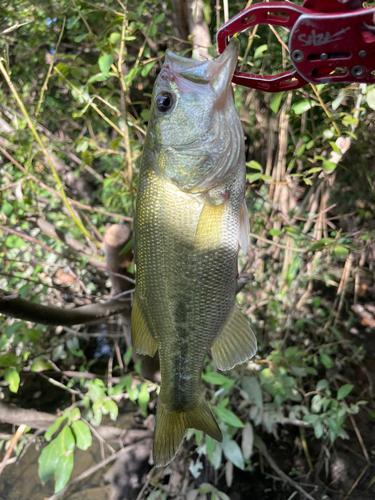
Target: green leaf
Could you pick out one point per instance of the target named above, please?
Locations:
(82, 434)
(328, 134)
(14, 241)
(260, 51)
(318, 429)
(218, 379)
(341, 253)
(217, 456)
(40, 364)
(63, 470)
(371, 98)
(228, 417)
(233, 452)
(48, 461)
(13, 378)
(253, 177)
(254, 165)
(99, 77)
(158, 19)
(124, 382)
(329, 166)
(210, 446)
(114, 37)
(316, 403)
(7, 208)
(251, 387)
(311, 419)
(74, 414)
(344, 391)
(71, 22)
(143, 398)
(66, 440)
(111, 408)
(105, 63)
(79, 38)
(275, 232)
(128, 355)
(335, 148)
(300, 150)
(127, 249)
(326, 360)
(322, 384)
(336, 103)
(303, 106)
(54, 427)
(147, 68)
(276, 102)
(9, 360)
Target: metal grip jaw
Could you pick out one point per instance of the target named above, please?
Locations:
(329, 42)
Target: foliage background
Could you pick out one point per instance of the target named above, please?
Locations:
(84, 72)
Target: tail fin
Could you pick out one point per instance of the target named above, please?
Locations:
(171, 427)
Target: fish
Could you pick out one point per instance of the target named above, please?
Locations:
(190, 219)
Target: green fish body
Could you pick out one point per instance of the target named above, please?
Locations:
(190, 220)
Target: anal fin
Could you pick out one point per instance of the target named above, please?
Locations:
(171, 427)
(142, 341)
(236, 342)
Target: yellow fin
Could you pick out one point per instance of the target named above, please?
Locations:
(236, 343)
(142, 341)
(210, 227)
(171, 427)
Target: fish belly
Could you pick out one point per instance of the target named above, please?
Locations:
(186, 289)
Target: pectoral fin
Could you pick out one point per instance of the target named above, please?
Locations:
(236, 343)
(142, 341)
(210, 227)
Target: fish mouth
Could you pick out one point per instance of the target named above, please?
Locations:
(202, 72)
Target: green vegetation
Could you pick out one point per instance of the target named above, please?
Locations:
(75, 87)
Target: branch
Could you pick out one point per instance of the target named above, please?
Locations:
(48, 315)
(53, 191)
(41, 420)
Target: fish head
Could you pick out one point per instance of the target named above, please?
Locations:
(191, 118)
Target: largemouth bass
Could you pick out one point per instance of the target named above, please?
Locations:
(190, 220)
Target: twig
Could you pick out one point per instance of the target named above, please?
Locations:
(98, 436)
(324, 108)
(282, 474)
(26, 446)
(95, 468)
(45, 84)
(145, 486)
(50, 315)
(60, 385)
(279, 245)
(45, 152)
(355, 484)
(359, 437)
(32, 240)
(21, 429)
(305, 448)
(124, 91)
(53, 191)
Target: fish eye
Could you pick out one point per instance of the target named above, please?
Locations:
(164, 101)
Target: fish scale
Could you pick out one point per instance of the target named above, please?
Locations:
(189, 214)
